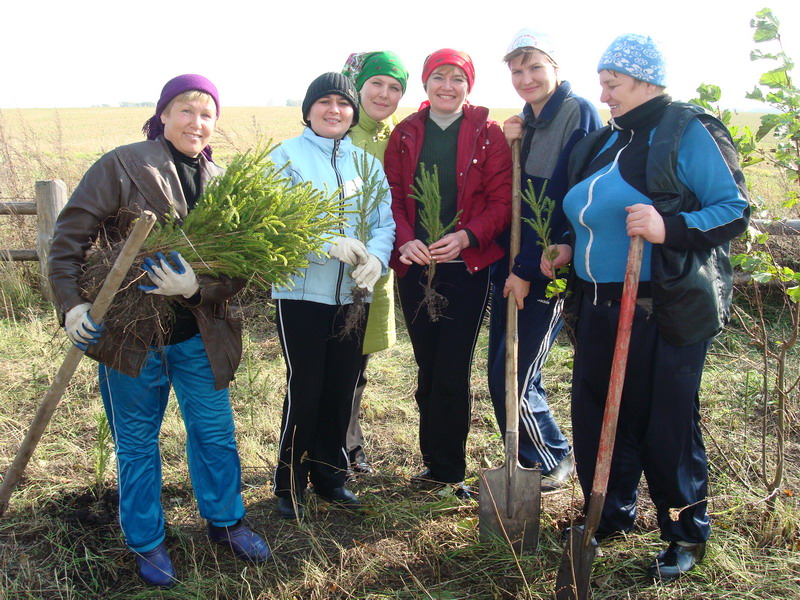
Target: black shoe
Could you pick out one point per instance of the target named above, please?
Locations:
(559, 475)
(359, 465)
(339, 495)
(579, 532)
(288, 509)
(599, 536)
(676, 560)
(464, 492)
(423, 477)
(361, 468)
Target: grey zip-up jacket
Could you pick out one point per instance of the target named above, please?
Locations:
(112, 193)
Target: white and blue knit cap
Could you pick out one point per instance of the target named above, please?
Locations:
(638, 56)
(528, 38)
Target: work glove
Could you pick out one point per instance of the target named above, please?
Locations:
(367, 275)
(169, 280)
(81, 330)
(349, 250)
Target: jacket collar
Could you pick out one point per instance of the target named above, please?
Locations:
(378, 130)
(644, 116)
(415, 122)
(563, 91)
(327, 145)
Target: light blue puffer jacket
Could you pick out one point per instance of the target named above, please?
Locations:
(329, 165)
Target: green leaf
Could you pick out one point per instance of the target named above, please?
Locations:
(768, 123)
(775, 79)
(763, 277)
(758, 55)
(756, 94)
(766, 26)
(709, 92)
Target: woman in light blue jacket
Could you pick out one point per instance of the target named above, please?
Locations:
(322, 365)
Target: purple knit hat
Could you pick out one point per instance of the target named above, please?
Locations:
(153, 127)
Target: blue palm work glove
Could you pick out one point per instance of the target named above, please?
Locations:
(169, 280)
(81, 330)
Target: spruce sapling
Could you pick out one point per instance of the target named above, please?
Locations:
(542, 207)
(426, 192)
(367, 202)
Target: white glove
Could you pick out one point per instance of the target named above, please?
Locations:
(81, 330)
(367, 275)
(169, 280)
(349, 250)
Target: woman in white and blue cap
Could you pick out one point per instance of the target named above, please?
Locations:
(667, 172)
(552, 121)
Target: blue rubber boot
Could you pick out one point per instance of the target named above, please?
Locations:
(155, 567)
(245, 543)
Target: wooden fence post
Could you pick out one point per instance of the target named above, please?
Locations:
(51, 196)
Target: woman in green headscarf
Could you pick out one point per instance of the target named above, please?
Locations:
(380, 79)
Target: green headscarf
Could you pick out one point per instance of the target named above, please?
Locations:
(360, 66)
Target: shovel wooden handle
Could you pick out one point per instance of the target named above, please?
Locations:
(48, 406)
(512, 329)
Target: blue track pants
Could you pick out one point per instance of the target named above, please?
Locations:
(135, 408)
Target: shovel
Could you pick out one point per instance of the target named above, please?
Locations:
(48, 406)
(572, 582)
(510, 496)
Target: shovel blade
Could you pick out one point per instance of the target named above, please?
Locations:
(575, 570)
(509, 506)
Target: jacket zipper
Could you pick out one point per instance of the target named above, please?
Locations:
(340, 183)
(589, 199)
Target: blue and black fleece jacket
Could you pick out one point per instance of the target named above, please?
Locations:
(616, 178)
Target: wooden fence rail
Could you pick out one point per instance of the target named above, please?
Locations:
(51, 196)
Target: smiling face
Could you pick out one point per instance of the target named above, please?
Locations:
(330, 116)
(189, 123)
(622, 93)
(535, 78)
(380, 96)
(447, 89)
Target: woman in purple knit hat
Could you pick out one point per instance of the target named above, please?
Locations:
(201, 347)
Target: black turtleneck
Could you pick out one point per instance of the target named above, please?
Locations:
(188, 167)
(635, 127)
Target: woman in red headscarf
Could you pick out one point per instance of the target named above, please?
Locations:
(473, 162)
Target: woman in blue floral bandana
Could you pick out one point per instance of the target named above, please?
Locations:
(620, 176)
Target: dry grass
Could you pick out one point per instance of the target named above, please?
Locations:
(58, 540)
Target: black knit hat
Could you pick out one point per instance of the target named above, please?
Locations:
(331, 83)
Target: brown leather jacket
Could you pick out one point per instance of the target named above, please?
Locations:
(122, 183)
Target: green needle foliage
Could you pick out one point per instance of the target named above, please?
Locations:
(372, 194)
(426, 192)
(542, 207)
(252, 222)
(367, 202)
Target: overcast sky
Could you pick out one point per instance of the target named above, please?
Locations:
(90, 52)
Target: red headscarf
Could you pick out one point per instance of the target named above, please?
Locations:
(448, 56)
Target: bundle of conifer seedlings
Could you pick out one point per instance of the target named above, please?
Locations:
(250, 223)
(426, 193)
(367, 201)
